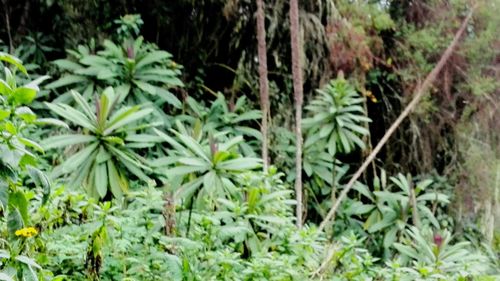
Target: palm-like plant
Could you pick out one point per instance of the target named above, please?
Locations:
(235, 119)
(197, 166)
(135, 70)
(107, 142)
(337, 117)
(436, 256)
(390, 211)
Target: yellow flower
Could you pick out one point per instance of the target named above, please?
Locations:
(26, 232)
(371, 96)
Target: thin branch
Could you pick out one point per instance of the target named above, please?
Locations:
(421, 91)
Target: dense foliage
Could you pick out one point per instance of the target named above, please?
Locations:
(138, 158)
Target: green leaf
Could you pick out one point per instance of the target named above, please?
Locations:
(143, 138)
(4, 114)
(168, 97)
(390, 237)
(30, 143)
(67, 64)
(146, 87)
(65, 140)
(40, 179)
(95, 60)
(77, 159)
(117, 183)
(126, 119)
(184, 170)
(240, 164)
(66, 80)
(72, 115)
(101, 179)
(407, 251)
(13, 60)
(18, 201)
(152, 57)
(28, 261)
(24, 95)
(192, 145)
(51, 121)
(5, 277)
(84, 105)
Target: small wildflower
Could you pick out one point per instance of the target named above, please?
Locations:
(371, 96)
(26, 232)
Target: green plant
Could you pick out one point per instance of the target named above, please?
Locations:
(337, 117)
(434, 256)
(390, 210)
(224, 116)
(139, 73)
(108, 138)
(18, 161)
(128, 26)
(35, 47)
(201, 167)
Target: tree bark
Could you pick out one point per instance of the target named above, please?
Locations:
(7, 25)
(263, 81)
(298, 95)
(420, 92)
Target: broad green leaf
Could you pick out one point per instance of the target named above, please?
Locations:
(65, 140)
(126, 120)
(146, 87)
(51, 121)
(66, 80)
(18, 201)
(24, 95)
(152, 57)
(101, 179)
(184, 170)
(73, 162)
(31, 144)
(72, 115)
(168, 97)
(95, 60)
(83, 104)
(13, 60)
(192, 145)
(5, 277)
(240, 164)
(143, 138)
(117, 183)
(390, 237)
(4, 114)
(67, 64)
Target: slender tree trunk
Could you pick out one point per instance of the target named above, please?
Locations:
(264, 84)
(298, 95)
(7, 25)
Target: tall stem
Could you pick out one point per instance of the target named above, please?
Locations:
(263, 81)
(298, 95)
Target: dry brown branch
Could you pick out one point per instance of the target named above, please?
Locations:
(420, 92)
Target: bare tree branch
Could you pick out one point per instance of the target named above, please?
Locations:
(421, 91)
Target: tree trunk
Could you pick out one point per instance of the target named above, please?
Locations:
(264, 84)
(298, 95)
